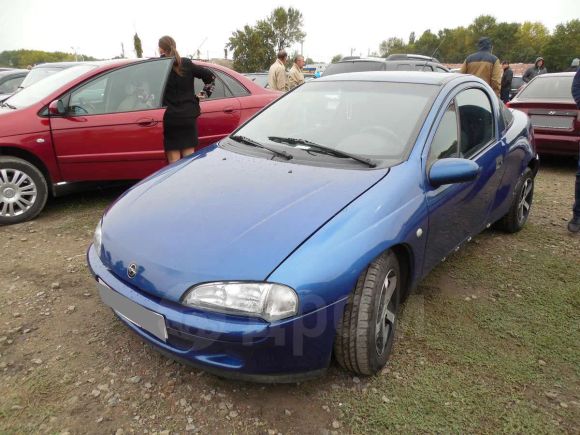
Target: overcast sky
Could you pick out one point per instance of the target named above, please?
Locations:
(98, 28)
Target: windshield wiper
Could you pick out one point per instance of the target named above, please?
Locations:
(323, 149)
(5, 104)
(248, 141)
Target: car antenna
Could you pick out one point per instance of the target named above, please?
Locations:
(438, 47)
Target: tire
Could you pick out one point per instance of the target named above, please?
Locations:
(23, 190)
(363, 342)
(519, 211)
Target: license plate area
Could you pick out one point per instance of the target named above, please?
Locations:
(150, 321)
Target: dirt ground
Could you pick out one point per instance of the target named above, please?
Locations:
(67, 365)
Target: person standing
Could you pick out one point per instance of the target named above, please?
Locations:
(506, 81)
(574, 224)
(277, 74)
(536, 70)
(180, 118)
(296, 76)
(484, 65)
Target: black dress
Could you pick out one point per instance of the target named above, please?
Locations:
(180, 118)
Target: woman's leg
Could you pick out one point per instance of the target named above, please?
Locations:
(172, 155)
(187, 151)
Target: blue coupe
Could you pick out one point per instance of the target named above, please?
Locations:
(299, 235)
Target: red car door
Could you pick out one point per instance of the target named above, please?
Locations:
(220, 113)
(113, 126)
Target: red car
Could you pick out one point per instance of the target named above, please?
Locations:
(102, 121)
(547, 100)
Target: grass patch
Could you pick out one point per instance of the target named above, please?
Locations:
(474, 365)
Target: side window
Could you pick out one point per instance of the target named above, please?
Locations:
(423, 67)
(236, 87)
(136, 87)
(10, 85)
(439, 69)
(219, 91)
(445, 141)
(475, 120)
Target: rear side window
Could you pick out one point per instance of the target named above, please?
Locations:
(236, 87)
(220, 91)
(549, 88)
(346, 67)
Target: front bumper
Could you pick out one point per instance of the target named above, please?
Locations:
(236, 347)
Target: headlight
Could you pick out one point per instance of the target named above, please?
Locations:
(98, 238)
(268, 301)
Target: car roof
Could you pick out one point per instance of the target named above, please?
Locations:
(10, 72)
(420, 77)
(560, 74)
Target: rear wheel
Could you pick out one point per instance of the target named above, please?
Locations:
(365, 335)
(518, 214)
(23, 190)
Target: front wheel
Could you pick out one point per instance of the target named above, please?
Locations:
(23, 190)
(518, 214)
(365, 335)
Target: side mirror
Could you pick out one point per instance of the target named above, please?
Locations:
(56, 108)
(452, 170)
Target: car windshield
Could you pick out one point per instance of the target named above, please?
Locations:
(372, 120)
(37, 74)
(40, 90)
(548, 88)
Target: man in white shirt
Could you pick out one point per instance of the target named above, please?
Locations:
(277, 75)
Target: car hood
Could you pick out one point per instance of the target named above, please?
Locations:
(221, 216)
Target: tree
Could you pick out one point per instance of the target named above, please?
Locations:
(531, 40)
(287, 27)
(392, 46)
(137, 45)
(308, 61)
(23, 58)
(336, 58)
(427, 44)
(563, 46)
(252, 49)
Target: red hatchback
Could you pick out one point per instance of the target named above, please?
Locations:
(102, 121)
(547, 100)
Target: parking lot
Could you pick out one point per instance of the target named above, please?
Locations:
(509, 341)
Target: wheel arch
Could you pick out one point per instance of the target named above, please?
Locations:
(405, 256)
(8, 151)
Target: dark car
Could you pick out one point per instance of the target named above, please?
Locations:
(395, 62)
(101, 122)
(547, 99)
(10, 80)
(517, 83)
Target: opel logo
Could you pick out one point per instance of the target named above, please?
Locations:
(132, 270)
(551, 112)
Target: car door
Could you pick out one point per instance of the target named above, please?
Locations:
(113, 125)
(458, 211)
(220, 113)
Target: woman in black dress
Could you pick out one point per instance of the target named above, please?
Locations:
(180, 118)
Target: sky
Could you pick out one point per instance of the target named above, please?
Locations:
(99, 28)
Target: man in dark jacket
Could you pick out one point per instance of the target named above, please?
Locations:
(574, 224)
(506, 81)
(536, 70)
(484, 65)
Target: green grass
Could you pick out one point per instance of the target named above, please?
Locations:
(473, 366)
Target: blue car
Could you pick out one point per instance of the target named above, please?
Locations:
(299, 235)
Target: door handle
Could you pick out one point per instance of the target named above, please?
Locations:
(498, 162)
(146, 122)
(229, 109)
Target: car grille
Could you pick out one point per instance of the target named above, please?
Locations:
(557, 122)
